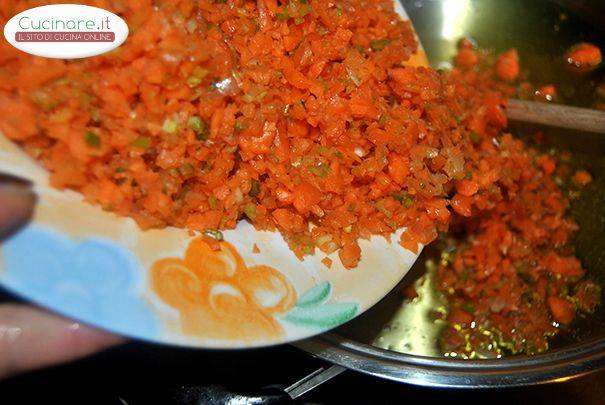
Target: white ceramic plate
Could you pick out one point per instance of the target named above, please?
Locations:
(167, 286)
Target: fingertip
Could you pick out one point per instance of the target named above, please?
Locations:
(17, 201)
(38, 338)
(85, 340)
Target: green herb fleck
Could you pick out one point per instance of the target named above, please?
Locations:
(92, 139)
(380, 44)
(214, 234)
(223, 222)
(324, 150)
(305, 9)
(170, 126)
(181, 195)
(195, 123)
(193, 81)
(254, 188)
(186, 169)
(404, 198)
(44, 100)
(199, 127)
(240, 124)
(308, 249)
(467, 273)
(250, 211)
(213, 202)
(468, 307)
(200, 73)
(322, 170)
(142, 142)
(475, 137)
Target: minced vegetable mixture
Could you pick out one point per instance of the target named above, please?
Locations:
(299, 112)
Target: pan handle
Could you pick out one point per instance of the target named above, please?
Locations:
(313, 380)
(215, 395)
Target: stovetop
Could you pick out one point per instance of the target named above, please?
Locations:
(140, 373)
(143, 373)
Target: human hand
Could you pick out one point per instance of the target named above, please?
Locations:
(32, 338)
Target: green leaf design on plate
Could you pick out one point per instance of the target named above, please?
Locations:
(322, 316)
(316, 295)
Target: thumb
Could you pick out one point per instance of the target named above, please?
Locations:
(31, 338)
(16, 203)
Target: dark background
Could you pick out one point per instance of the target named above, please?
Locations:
(140, 373)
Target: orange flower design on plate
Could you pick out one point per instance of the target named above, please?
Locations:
(219, 297)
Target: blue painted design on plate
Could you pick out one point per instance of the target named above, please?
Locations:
(94, 280)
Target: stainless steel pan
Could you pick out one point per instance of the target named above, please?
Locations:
(542, 31)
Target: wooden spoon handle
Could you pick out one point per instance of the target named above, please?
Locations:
(554, 115)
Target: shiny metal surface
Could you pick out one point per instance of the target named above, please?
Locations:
(397, 340)
(412, 329)
(556, 366)
(313, 380)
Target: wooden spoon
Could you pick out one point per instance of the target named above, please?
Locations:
(556, 115)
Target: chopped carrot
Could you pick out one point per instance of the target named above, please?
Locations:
(467, 187)
(584, 57)
(350, 254)
(562, 310)
(547, 164)
(305, 197)
(581, 178)
(546, 93)
(459, 316)
(507, 66)
(466, 58)
(409, 293)
(462, 204)
(288, 220)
